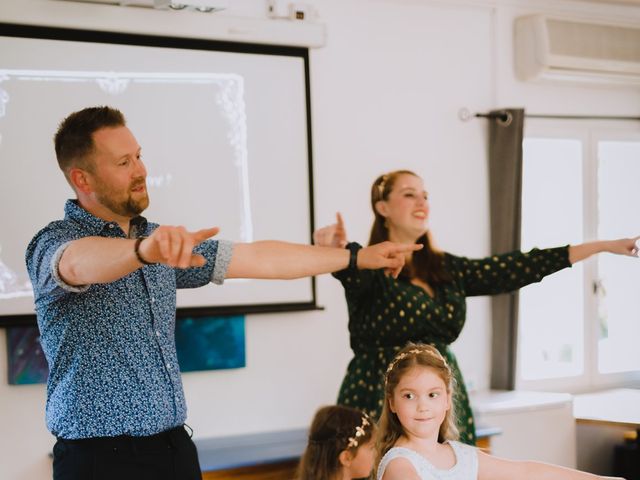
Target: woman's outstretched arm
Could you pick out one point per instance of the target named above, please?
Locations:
(622, 246)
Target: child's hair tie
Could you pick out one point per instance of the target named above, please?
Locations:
(382, 185)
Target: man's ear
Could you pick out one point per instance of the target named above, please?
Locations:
(345, 458)
(381, 208)
(80, 180)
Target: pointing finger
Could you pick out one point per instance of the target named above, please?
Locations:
(404, 248)
(163, 243)
(413, 247)
(201, 235)
(175, 247)
(184, 260)
(396, 267)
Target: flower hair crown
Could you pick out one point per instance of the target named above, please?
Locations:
(360, 431)
(353, 440)
(408, 353)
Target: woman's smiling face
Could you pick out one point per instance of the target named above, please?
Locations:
(406, 208)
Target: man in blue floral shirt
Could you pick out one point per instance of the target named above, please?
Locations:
(105, 283)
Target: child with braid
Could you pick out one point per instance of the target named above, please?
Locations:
(417, 433)
(341, 445)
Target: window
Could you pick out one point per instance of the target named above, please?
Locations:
(619, 305)
(577, 329)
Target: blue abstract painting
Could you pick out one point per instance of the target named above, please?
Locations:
(210, 343)
(27, 363)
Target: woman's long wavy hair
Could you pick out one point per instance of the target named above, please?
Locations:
(330, 432)
(427, 264)
(389, 426)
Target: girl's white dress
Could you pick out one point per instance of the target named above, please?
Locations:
(466, 467)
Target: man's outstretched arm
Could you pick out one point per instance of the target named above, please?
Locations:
(274, 259)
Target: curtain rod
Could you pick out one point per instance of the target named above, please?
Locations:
(503, 116)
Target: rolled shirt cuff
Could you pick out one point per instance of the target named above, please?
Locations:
(55, 264)
(223, 258)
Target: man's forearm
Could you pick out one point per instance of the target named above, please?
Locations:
(97, 260)
(274, 259)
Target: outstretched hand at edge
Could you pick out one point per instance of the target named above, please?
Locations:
(626, 246)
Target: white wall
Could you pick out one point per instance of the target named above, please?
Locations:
(386, 90)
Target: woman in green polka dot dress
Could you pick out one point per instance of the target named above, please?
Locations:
(427, 302)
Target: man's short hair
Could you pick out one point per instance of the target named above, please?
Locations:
(74, 138)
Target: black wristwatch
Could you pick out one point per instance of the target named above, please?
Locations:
(136, 250)
(353, 247)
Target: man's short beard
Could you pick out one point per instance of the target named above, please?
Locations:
(129, 208)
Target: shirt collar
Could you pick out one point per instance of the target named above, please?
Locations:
(73, 211)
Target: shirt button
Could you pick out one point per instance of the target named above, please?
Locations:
(153, 299)
(111, 225)
(158, 333)
(169, 365)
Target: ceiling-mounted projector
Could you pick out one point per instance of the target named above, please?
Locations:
(200, 5)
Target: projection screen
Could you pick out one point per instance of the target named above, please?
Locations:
(225, 136)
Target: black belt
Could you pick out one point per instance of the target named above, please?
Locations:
(167, 439)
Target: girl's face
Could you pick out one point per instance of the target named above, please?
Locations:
(421, 401)
(406, 209)
(362, 463)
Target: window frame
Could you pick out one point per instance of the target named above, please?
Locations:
(589, 133)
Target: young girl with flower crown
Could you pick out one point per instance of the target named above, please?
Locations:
(341, 445)
(417, 433)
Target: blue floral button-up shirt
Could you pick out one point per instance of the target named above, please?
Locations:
(113, 367)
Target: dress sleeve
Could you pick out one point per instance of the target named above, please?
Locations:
(507, 272)
(355, 282)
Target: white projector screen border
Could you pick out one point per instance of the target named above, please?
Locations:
(270, 168)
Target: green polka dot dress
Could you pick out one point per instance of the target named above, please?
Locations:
(386, 313)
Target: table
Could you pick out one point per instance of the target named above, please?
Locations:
(602, 420)
(618, 407)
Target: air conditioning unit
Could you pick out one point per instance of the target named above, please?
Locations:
(553, 48)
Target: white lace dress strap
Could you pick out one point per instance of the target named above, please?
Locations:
(466, 467)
